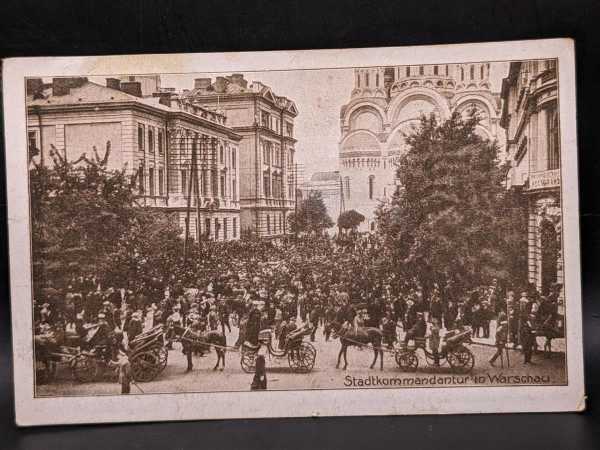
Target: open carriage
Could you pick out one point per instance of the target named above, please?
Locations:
(148, 354)
(454, 352)
(301, 355)
(89, 360)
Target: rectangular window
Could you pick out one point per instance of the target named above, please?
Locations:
(161, 182)
(151, 181)
(151, 139)
(142, 180)
(265, 119)
(234, 189)
(214, 183)
(160, 143)
(268, 224)
(553, 138)
(207, 227)
(234, 227)
(225, 223)
(221, 155)
(435, 70)
(141, 137)
(184, 181)
(266, 186)
(32, 139)
(223, 186)
(217, 229)
(233, 161)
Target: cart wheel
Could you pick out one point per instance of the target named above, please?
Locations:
(302, 358)
(407, 361)
(145, 366)
(461, 360)
(248, 360)
(85, 369)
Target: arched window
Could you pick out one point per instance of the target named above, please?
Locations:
(553, 138)
(371, 186)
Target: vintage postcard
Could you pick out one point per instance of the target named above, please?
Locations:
(304, 233)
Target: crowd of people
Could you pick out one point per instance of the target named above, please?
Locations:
(258, 284)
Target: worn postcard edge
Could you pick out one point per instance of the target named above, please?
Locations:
(187, 406)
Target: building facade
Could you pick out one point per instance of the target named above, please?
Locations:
(267, 149)
(386, 104)
(530, 118)
(153, 138)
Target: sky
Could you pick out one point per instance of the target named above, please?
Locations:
(319, 96)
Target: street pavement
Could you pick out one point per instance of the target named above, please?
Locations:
(544, 370)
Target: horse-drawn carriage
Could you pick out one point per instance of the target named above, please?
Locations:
(90, 359)
(301, 355)
(454, 352)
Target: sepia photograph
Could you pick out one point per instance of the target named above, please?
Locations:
(368, 227)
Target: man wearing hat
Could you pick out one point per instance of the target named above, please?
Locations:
(501, 338)
(528, 340)
(418, 330)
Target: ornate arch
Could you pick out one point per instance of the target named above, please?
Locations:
(360, 140)
(363, 103)
(475, 98)
(428, 94)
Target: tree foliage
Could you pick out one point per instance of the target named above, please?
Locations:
(311, 216)
(85, 221)
(452, 220)
(349, 220)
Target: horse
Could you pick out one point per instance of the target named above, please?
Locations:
(192, 340)
(370, 336)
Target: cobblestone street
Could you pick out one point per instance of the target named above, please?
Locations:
(545, 370)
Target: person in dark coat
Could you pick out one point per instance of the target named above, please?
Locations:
(253, 326)
(528, 338)
(418, 330)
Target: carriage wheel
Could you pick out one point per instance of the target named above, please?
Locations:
(461, 360)
(145, 366)
(407, 361)
(302, 358)
(248, 360)
(430, 360)
(85, 369)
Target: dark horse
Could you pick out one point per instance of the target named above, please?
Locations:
(366, 336)
(193, 340)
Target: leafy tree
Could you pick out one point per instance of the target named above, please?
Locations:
(311, 216)
(350, 220)
(85, 220)
(449, 222)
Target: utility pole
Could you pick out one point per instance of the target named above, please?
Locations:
(189, 204)
(296, 200)
(342, 205)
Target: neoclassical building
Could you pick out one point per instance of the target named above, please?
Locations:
(386, 104)
(530, 118)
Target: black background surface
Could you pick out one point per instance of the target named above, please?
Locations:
(46, 28)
